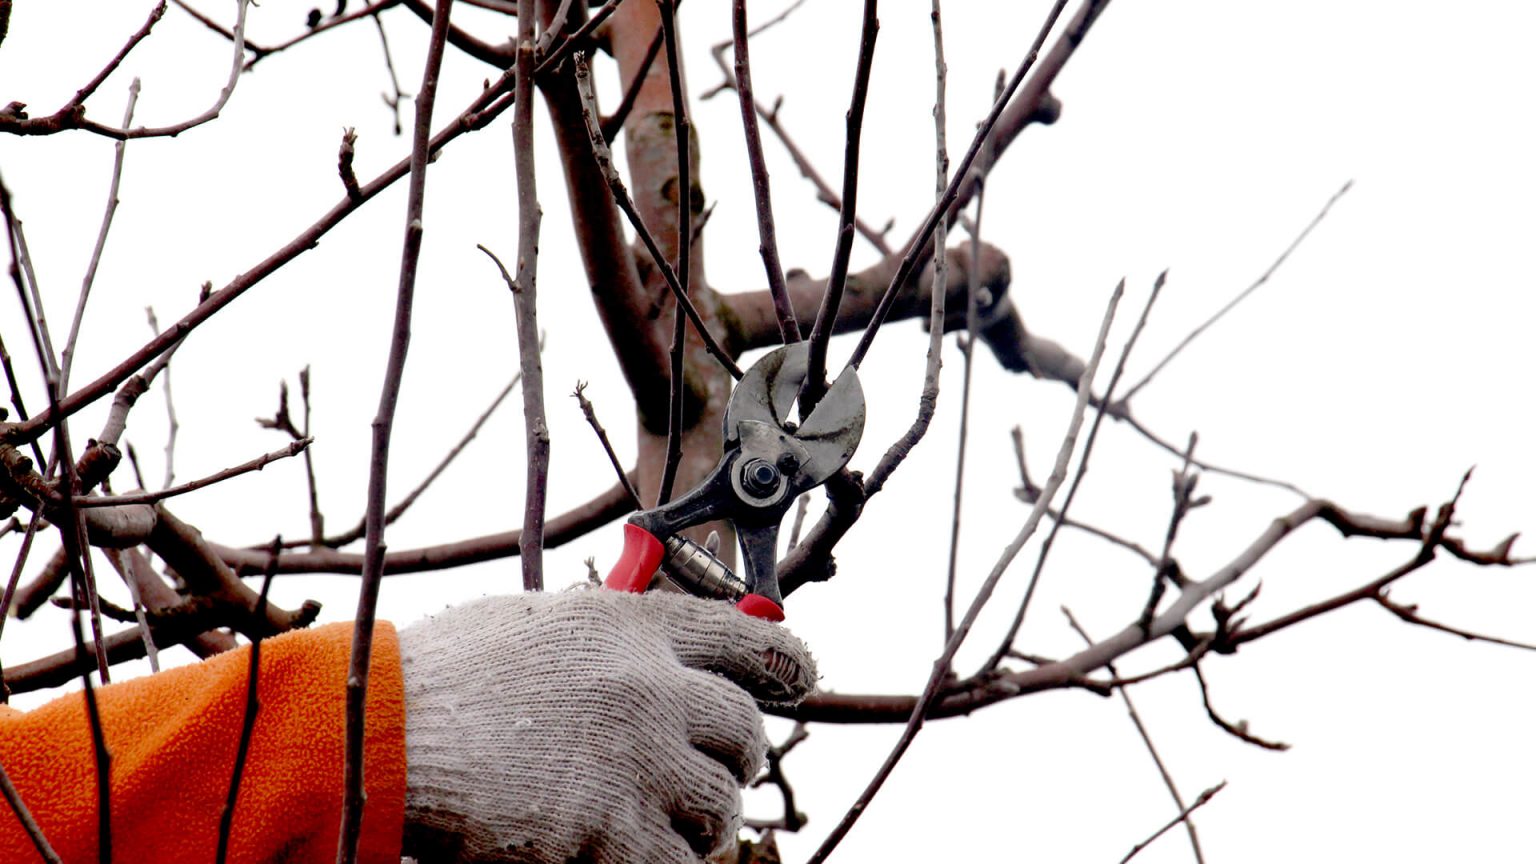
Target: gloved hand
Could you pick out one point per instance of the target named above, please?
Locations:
(587, 725)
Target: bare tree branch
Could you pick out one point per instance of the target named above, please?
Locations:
(248, 721)
(1409, 612)
(485, 108)
(246, 467)
(821, 332)
(1146, 738)
(917, 249)
(72, 115)
(602, 436)
(383, 426)
(28, 824)
(68, 355)
(1183, 816)
(605, 508)
(941, 666)
(1263, 278)
(768, 243)
(682, 131)
(1077, 477)
(627, 207)
(405, 503)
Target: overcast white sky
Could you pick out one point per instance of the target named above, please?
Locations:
(1387, 356)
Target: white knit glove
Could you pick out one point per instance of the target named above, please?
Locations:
(592, 726)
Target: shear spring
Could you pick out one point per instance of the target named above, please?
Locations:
(699, 572)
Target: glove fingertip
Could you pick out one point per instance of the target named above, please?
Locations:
(792, 675)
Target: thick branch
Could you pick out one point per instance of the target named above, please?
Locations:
(987, 688)
(560, 530)
(614, 280)
(754, 323)
(485, 108)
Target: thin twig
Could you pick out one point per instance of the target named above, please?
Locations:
(938, 297)
(968, 349)
(236, 66)
(252, 707)
(150, 497)
(576, 40)
(173, 426)
(1028, 492)
(801, 507)
(613, 123)
(557, 23)
(489, 104)
(1182, 817)
(1238, 730)
(1409, 612)
(676, 387)
(916, 249)
(140, 35)
(68, 355)
(770, 115)
(513, 286)
(83, 589)
(10, 586)
(604, 158)
(103, 758)
(793, 819)
(32, 301)
(602, 437)
(378, 469)
(316, 518)
(372, 10)
(576, 522)
(28, 824)
(127, 396)
(1166, 570)
(261, 52)
(941, 666)
(837, 280)
(1431, 539)
(978, 691)
(1263, 278)
(767, 234)
(140, 615)
(395, 98)
(928, 399)
(15, 388)
(524, 301)
(1118, 412)
(1146, 739)
(42, 344)
(404, 504)
(968, 352)
(1077, 478)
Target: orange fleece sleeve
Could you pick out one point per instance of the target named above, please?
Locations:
(173, 738)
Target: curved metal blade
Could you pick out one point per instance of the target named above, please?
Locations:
(833, 430)
(767, 393)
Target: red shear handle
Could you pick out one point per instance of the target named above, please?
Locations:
(636, 567)
(759, 606)
(642, 555)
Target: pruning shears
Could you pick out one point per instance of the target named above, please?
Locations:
(768, 462)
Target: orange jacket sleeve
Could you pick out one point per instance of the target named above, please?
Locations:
(173, 736)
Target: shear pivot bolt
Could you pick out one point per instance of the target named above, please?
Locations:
(760, 478)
